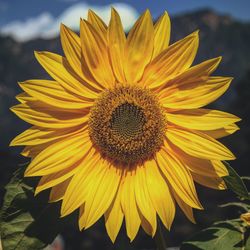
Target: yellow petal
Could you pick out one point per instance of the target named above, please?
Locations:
(24, 97)
(114, 217)
(36, 135)
(199, 72)
(198, 144)
(179, 178)
(59, 155)
(88, 175)
(128, 204)
(187, 210)
(143, 200)
(202, 119)
(57, 192)
(71, 44)
(51, 180)
(205, 167)
(213, 168)
(222, 132)
(117, 40)
(159, 192)
(33, 151)
(101, 195)
(98, 24)
(174, 60)
(95, 53)
(53, 94)
(146, 225)
(211, 182)
(59, 69)
(246, 218)
(220, 168)
(161, 34)
(196, 94)
(72, 47)
(42, 115)
(139, 47)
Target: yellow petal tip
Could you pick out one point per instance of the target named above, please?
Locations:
(219, 58)
(147, 14)
(166, 13)
(37, 191)
(113, 11)
(28, 173)
(12, 109)
(64, 212)
(12, 143)
(196, 33)
(37, 54)
(62, 26)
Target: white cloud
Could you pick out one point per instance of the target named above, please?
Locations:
(29, 29)
(46, 26)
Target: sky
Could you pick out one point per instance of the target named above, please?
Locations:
(29, 19)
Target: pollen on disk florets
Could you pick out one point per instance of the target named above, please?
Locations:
(127, 124)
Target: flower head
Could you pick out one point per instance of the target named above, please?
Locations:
(246, 218)
(120, 131)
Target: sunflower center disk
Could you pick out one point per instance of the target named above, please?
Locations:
(127, 121)
(127, 125)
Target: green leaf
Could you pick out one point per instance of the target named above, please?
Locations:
(224, 235)
(240, 205)
(247, 178)
(235, 183)
(27, 222)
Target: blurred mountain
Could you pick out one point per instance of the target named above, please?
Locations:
(241, 107)
(17, 64)
(219, 35)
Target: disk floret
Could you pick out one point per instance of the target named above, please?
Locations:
(127, 124)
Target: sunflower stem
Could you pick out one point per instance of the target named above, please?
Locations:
(159, 238)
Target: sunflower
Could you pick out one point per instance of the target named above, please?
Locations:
(120, 131)
(246, 218)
